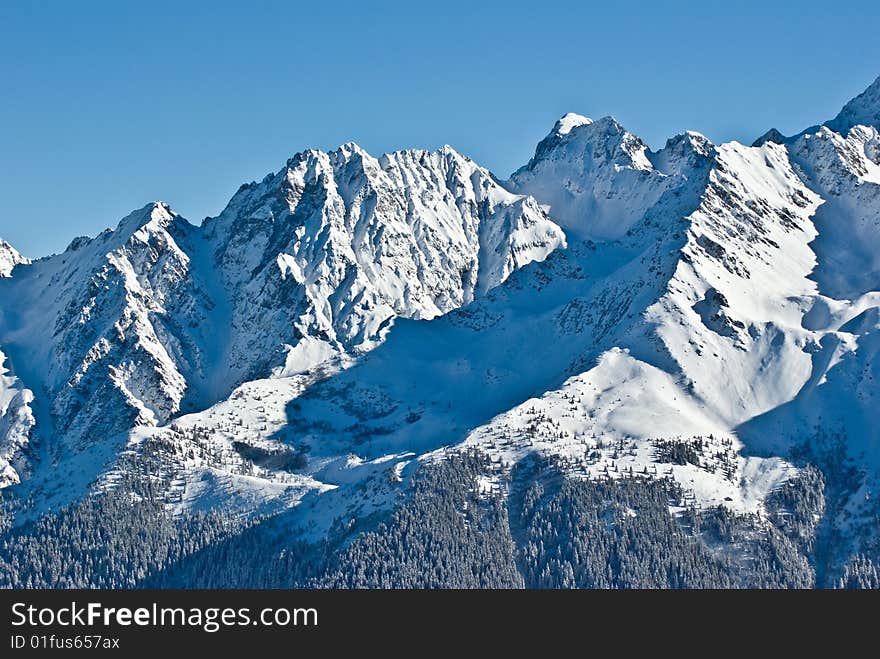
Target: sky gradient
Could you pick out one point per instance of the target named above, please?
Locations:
(106, 106)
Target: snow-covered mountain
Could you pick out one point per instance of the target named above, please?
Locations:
(338, 244)
(315, 262)
(682, 328)
(702, 313)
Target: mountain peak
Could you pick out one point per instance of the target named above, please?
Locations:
(771, 135)
(863, 110)
(449, 150)
(351, 148)
(575, 137)
(155, 211)
(576, 126)
(683, 153)
(9, 258)
(597, 178)
(570, 121)
(691, 139)
(155, 216)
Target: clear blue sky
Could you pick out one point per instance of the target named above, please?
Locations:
(107, 105)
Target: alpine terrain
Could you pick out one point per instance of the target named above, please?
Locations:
(617, 368)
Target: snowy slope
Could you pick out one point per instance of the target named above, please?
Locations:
(731, 315)
(617, 419)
